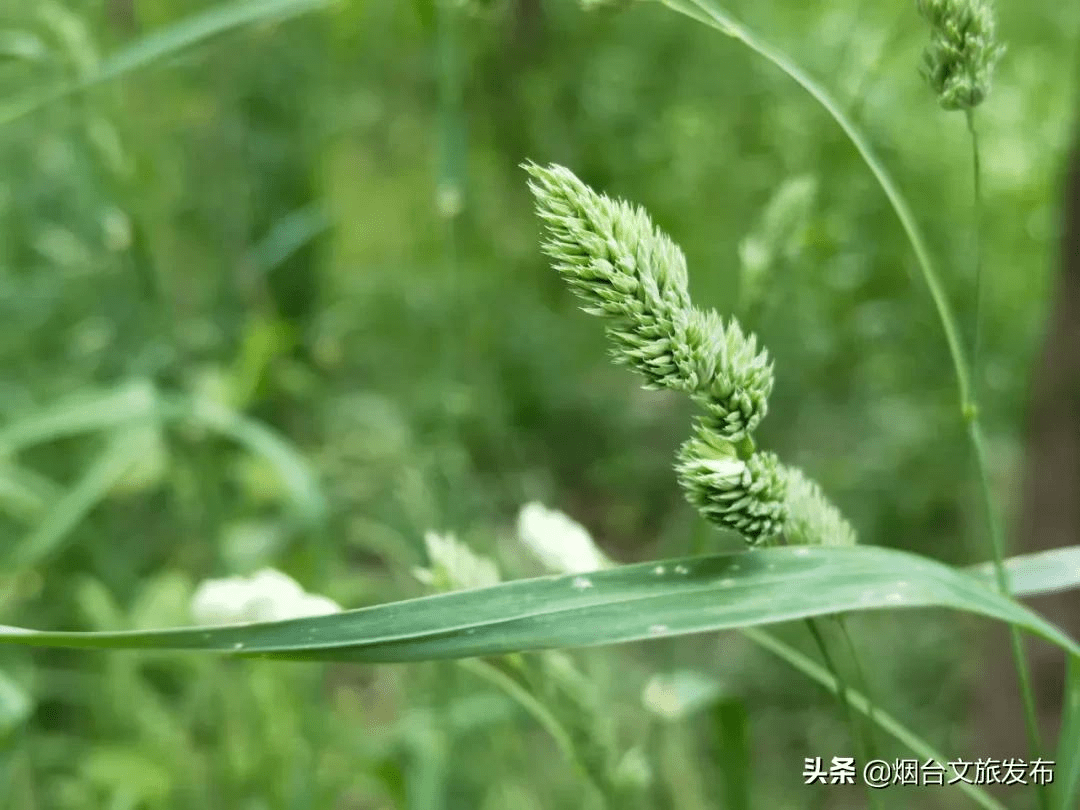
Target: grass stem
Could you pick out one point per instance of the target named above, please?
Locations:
(708, 14)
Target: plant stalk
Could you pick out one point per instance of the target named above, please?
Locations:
(884, 721)
(997, 539)
(707, 14)
(842, 690)
(862, 682)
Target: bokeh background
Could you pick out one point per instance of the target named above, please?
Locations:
(318, 226)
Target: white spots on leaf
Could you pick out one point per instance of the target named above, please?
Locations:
(681, 569)
(897, 595)
(238, 645)
(659, 570)
(800, 552)
(726, 583)
(582, 583)
(657, 629)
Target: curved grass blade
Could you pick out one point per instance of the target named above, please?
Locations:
(163, 43)
(288, 235)
(304, 491)
(25, 494)
(140, 401)
(122, 452)
(82, 414)
(630, 603)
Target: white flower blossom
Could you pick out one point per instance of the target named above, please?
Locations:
(266, 596)
(454, 566)
(558, 541)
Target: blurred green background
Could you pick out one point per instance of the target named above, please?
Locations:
(318, 227)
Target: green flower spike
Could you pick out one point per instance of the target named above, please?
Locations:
(749, 497)
(628, 271)
(812, 519)
(727, 375)
(959, 61)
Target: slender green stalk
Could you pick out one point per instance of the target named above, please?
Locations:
(976, 173)
(451, 149)
(541, 713)
(997, 538)
(863, 683)
(886, 722)
(704, 12)
(842, 691)
(998, 541)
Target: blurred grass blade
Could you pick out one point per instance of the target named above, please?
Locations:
(299, 480)
(15, 705)
(527, 701)
(288, 235)
(122, 452)
(165, 42)
(1067, 781)
(630, 603)
(733, 741)
(1038, 573)
(22, 45)
(775, 238)
(24, 494)
(138, 402)
(83, 414)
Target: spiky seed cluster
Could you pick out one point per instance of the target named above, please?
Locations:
(812, 519)
(726, 374)
(749, 496)
(959, 61)
(628, 271)
(621, 266)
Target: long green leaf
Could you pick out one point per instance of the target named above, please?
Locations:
(631, 603)
(163, 43)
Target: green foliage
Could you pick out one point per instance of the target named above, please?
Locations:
(670, 597)
(270, 297)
